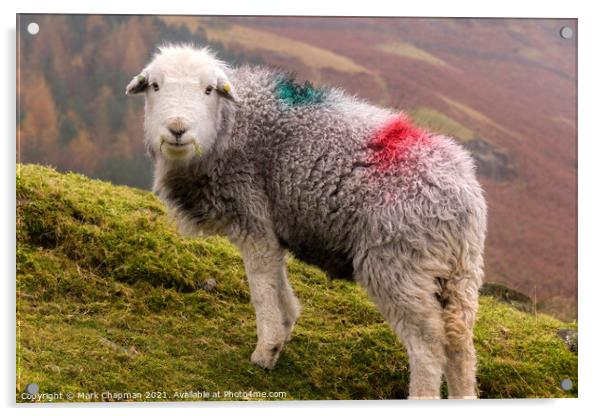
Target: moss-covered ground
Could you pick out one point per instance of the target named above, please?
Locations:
(111, 299)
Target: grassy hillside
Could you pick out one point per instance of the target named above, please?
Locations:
(111, 299)
(408, 50)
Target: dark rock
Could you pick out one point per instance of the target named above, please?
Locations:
(492, 162)
(504, 294)
(569, 336)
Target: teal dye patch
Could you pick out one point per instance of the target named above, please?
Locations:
(295, 94)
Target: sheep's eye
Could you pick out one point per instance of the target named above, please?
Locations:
(208, 89)
(155, 86)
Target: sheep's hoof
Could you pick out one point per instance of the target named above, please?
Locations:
(266, 357)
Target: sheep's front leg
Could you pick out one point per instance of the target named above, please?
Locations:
(264, 265)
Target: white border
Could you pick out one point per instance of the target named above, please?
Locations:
(590, 207)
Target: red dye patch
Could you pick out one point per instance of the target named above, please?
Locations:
(392, 142)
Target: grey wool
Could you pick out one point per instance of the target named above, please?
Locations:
(278, 166)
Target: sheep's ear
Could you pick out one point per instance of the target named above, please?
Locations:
(138, 84)
(224, 88)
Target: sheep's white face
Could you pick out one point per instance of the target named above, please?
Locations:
(183, 89)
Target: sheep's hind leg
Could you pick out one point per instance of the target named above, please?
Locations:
(406, 300)
(419, 326)
(264, 264)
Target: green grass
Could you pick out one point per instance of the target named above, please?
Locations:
(441, 123)
(109, 300)
(410, 51)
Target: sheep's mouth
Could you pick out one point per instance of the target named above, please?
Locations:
(178, 148)
(176, 144)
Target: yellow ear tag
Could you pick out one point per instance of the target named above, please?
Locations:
(226, 88)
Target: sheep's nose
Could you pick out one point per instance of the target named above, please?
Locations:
(178, 132)
(177, 129)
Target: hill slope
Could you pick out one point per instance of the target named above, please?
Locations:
(111, 299)
(507, 88)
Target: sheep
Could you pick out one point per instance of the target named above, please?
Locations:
(355, 189)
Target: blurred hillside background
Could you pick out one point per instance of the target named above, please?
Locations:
(505, 88)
